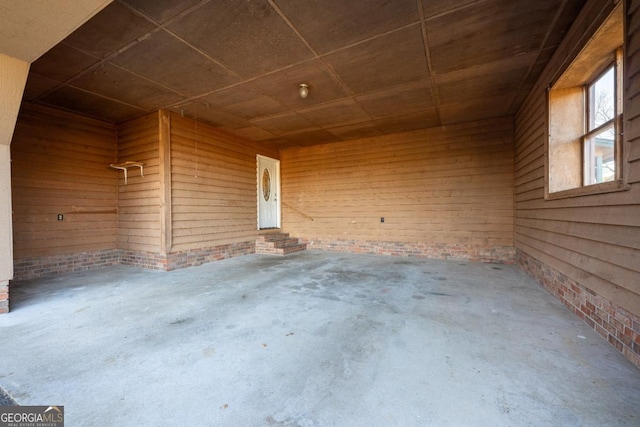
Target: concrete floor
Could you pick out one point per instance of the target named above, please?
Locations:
(312, 339)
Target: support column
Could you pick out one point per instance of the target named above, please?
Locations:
(164, 120)
(13, 77)
(6, 233)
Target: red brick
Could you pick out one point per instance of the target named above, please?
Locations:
(598, 320)
(636, 326)
(602, 313)
(617, 324)
(633, 357)
(635, 337)
(602, 331)
(625, 340)
(616, 343)
(589, 322)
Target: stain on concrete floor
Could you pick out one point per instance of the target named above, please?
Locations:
(311, 339)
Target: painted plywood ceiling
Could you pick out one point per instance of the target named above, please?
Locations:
(373, 67)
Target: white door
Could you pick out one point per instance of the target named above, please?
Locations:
(268, 193)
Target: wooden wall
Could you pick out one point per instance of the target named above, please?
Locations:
(632, 104)
(451, 185)
(198, 191)
(595, 239)
(60, 166)
(213, 186)
(139, 200)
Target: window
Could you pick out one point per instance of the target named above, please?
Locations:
(600, 140)
(584, 152)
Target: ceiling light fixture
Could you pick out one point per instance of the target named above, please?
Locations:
(304, 90)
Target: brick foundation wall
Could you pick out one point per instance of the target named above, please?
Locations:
(471, 253)
(45, 266)
(4, 296)
(177, 260)
(146, 260)
(32, 268)
(202, 256)
(613, 323)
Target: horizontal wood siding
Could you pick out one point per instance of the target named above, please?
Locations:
(450, 185)
(60, 166)
(213, 186)
(632, 107)
(139, 200)
(595, 239)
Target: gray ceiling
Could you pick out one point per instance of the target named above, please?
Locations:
(373, 66)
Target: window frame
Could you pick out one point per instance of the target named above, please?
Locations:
(615, 122)
(613, 55)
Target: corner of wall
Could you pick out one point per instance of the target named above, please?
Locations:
(613, 323)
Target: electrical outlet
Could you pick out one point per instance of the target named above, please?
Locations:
(60, 217)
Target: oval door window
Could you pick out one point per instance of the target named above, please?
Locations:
(266, 185)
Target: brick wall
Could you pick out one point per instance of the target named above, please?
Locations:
(4, 296)
(31, 268)
(190, 258)
(459, 252)
(616, 325)
(45, 266)
(147, 260)
(195, 257)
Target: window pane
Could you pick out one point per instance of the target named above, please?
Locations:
(600, 163)
(602, 100)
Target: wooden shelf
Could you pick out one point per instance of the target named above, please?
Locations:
(125, 166)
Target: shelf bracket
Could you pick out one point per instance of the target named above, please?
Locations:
(125, 166)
